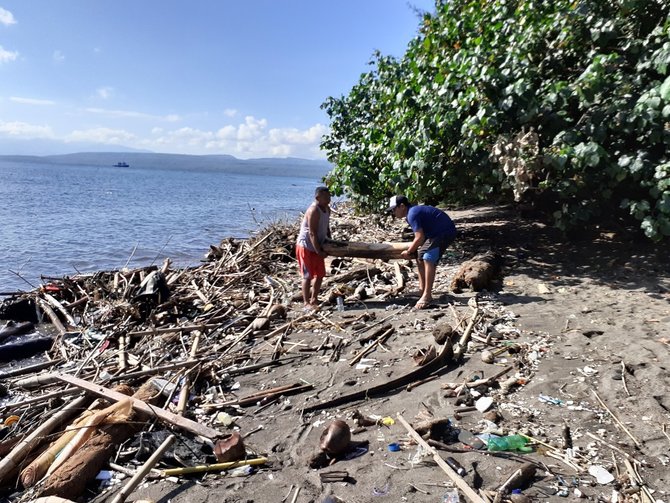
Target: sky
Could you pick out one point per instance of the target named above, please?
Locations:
(239, 77)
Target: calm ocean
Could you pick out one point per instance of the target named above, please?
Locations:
(56, 220)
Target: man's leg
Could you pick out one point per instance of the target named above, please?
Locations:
(428, 280)
(422, 276)
(306, 290)
(316, 288)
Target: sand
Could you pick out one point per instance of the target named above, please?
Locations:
(593, 319)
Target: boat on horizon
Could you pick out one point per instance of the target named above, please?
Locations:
(122, 165)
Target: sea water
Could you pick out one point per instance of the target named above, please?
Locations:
(58, 220)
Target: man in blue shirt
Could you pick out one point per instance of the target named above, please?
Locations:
(434, 231)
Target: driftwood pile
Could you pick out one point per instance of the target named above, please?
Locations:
(142, 375)
(178, 336)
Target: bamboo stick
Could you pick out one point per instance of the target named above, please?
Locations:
(616, 419)
(186, 386)
(213, 467)
(463, 342)
(40, 399)
(51, 300)
(155, 370)
(53, 317)
(370, 347)
(29, 369)
(458, 481)
(143, 471)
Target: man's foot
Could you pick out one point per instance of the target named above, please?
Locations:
(424, 304)
(308, 308)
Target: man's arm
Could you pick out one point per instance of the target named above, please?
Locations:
(419, 238)
(313, 218)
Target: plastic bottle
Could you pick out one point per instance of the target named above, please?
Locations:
(451, 496)
(456, 466)
(509, 443)
(340, 303)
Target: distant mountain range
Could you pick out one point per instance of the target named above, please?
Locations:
(288, 166)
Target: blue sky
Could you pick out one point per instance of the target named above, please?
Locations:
(239, 77)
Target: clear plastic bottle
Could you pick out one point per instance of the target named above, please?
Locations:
(451, 496)
(509, 443)
(340, 303)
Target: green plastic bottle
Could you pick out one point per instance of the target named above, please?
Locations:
(509, 443)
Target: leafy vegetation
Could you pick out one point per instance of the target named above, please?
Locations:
(562, 104)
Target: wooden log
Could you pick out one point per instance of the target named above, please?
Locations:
(477, 273)
(12, 461)
(382, 251)
(139, 405)
(71, 478)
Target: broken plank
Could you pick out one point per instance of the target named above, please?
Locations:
(162, 414)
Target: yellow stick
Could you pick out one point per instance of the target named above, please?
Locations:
(214, 467)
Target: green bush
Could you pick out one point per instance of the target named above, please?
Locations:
(588, 80)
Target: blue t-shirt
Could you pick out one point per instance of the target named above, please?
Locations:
(433, 221)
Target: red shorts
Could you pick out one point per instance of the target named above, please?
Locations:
(310, 264)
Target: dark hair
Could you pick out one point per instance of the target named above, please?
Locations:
(321, 189)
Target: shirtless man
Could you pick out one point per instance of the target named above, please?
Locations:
(314, 230)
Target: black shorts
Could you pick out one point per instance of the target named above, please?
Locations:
(434, 247)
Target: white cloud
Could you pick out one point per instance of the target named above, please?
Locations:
(230, 112)
(250, 138)
(130, 114)
(295, 136)
(6, 17)
(102, 135)
(25, 130)
(58, 56)
(31, 101)
(6, 55)
(252, 128)
(105, 92)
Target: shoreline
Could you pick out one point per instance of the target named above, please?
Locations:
(585, 317)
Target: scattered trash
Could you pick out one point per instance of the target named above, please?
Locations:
(508, 443)
(601, 475)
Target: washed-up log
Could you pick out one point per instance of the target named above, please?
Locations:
(38, 468)
(11, 461)
(12, 328)
(445, 356)
(365, 250)
(477, 273)
(141, 406)
(71, 478)
(25, 349)
(71, 440)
